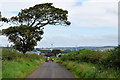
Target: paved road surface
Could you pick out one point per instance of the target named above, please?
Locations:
(50, 70)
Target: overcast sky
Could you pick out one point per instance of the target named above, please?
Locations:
(94, 22)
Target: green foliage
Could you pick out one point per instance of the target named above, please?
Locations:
(45, 51)
(114, 58)
(52, 53)
(17, 65)
(49, 54)
(18, 68)
(23, 37)
(41, 15)
(86, 63)
(3, 18)
(11, 54)
(108, 58)
(88, 70)
(66, 51)
(56, 51)
(53, 57)
(29, 25)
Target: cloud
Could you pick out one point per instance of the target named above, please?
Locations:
(90, 13)
(79, 40)
(3, 41)
(82, 13)
(67, 41)
(94, 14)
(10, 9)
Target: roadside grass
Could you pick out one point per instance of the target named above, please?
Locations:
(17, 65)
(89, 70)
(88, 63)
(19, 68)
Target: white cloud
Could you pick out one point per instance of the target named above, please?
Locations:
(92, 13)
(3, 41)
(95, 14)
(79, 40)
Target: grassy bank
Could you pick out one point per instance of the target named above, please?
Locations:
(86, 63)
(17, 65)
(89, 70)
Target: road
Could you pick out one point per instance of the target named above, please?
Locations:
(50, 70)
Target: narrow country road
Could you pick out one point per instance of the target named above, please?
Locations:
(50, 70)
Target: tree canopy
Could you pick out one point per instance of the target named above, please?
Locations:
(29, 25)
(56, 51)
(41, 15)
(3, 18)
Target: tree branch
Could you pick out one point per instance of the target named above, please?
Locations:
(33, 22)
(42, 24)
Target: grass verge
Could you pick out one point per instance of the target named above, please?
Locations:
(19, 68)
(17, 65)
(89, 70)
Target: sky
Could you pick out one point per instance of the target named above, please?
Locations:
(93, 22)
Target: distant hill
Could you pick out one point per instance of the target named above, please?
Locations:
(87, 47)
(72, 48)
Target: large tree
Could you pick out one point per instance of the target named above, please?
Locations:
(29, 25)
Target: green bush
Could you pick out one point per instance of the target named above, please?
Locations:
(107, 57)
(114, 57)
(89, 70)
(9, 54)
(86, 63)
(18, 65)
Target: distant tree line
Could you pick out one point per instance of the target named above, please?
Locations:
(54, 52)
